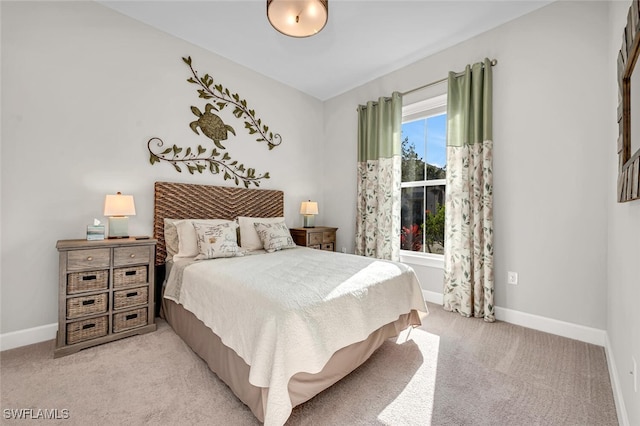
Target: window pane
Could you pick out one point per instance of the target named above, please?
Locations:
(436, 149)
(434, 219)
(424, 160)
(412, 219)
(413, 145)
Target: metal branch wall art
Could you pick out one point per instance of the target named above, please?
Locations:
(217, 160)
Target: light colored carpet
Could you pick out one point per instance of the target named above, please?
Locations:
(451, 371)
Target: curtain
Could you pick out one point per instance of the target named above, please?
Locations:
(468, 253)
(379, 175)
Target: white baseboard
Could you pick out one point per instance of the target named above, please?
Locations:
(621, 410)
(536, 322)
(549, 325)
(432, 297)
(29, 336)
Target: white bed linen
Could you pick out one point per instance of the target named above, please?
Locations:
(289, 311)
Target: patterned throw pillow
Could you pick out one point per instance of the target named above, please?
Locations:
(216, 241)
(274, 236)
(187, 238)
(249, 239)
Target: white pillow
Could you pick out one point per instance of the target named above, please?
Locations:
(215, 241)
(274, 236)
(187, 239)
(249, 239)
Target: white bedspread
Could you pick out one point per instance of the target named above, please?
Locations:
(289, 311)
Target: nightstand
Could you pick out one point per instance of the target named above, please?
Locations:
(319, 237)
(105, 291)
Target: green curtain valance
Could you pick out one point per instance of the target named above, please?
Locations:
(471, 92)
(375, 125)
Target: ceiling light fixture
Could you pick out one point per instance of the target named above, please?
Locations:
(298, 18)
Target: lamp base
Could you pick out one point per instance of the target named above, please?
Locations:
(308, 221)
(119, 227)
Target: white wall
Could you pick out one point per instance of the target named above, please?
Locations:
(623, 274)
(83, 90)
(550, 146)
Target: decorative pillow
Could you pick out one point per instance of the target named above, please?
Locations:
(216, 241)
(249, 239)
(171, 237)
(274, 236)
(187, 238)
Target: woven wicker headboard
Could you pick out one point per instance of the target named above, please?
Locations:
(190, 201)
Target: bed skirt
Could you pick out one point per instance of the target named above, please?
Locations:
(232, 369)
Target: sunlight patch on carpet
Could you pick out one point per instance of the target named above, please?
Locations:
(415, 400)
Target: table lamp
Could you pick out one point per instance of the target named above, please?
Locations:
(118, 207)
(308, 209)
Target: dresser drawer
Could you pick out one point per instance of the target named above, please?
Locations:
(129, 319)
(125, 277)
(315, 238)
(78, 282)
(130, 297)
(329, 237)
(93, 328)
(327, 247)
(130, 255)
(87, 259)
(86, 305)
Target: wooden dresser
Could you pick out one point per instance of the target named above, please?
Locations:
(105, 291)
(319, 237)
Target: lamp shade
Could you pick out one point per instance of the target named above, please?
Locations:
(119, 205)
(309, 208)
(298, 18)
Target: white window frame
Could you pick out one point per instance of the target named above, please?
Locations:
(426, 108)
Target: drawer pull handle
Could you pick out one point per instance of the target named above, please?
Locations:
(133, 293)
(90, 258)
(129, 273)
(88, 302)
(84, 327)
(89, 277)
(131, 316)
(132, 255)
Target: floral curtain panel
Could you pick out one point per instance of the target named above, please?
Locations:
(379, 175)
(468, 253)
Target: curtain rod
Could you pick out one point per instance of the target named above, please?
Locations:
(494, 62)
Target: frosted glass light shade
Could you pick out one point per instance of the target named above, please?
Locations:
(298, 18)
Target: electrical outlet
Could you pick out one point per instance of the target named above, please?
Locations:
(635, 374)
(512, 278)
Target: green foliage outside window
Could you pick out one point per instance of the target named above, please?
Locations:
(422, 231)
(434, 228)
(413, 167)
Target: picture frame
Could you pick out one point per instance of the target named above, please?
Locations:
(628, 188)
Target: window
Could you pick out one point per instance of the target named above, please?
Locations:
(424, 165)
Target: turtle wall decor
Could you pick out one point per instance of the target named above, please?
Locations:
(213, 127)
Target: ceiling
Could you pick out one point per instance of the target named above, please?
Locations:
(363, 39)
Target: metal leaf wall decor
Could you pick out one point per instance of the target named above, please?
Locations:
(216, 160)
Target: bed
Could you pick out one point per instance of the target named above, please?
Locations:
(278, 326)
